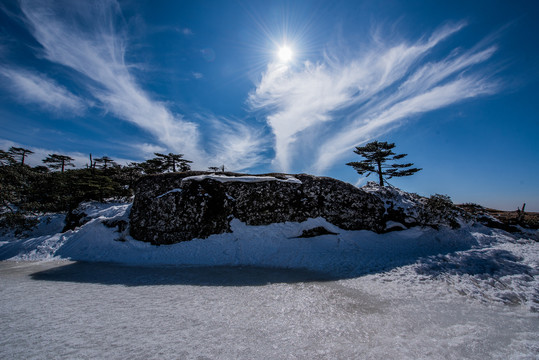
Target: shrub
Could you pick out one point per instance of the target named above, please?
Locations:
(439, 210)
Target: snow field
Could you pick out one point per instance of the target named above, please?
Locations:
(91, 310)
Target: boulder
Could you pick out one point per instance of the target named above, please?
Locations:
(174, 207)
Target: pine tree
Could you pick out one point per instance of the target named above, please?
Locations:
(376, 155)
(171, 161)
(106, 161)
(19, 151)
(6, 159)
(56, 161)
(150, 166)
(217, 168)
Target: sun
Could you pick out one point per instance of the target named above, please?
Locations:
(285, 54)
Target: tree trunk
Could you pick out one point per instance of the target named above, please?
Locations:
(379, 163)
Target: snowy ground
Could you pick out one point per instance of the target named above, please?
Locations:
(419, 293)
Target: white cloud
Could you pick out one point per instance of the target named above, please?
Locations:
(236, 145)
(39, 89)
(90, 42)
(186, 31)
(355, 133)
(319, 112)
(148, 150)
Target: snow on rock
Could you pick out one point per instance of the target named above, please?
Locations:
(242, 178)
(198, 204)
(341, 253)
(401, 207)
(410, 209)
(168, 192)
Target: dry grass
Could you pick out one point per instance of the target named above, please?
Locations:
(529, 220)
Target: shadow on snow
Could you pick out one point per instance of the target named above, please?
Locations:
(488, 262)
(117, 274)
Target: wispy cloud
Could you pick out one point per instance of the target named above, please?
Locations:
(316, 112)
(93, 44)
(319, 112)
(92, 40)
(39, 89)
(361, 131)
(148, 150)
(186, 31)
(236, 144)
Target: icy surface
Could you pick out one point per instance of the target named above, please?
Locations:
(68, 310)
(418, 293)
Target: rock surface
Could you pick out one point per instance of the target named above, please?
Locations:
(170, 208)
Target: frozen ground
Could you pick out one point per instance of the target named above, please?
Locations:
(89, 310)
(420, 293)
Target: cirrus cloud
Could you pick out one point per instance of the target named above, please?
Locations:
(90, 38)
(319, 111)
(38, 89)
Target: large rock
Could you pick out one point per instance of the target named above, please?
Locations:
(175, 207)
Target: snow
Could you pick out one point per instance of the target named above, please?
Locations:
(482, 263)
(169, 192)
(394, 224)
(261, 292)
(245, 178)
(395, 197)
(70, 310)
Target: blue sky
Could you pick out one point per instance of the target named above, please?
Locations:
(453, 83)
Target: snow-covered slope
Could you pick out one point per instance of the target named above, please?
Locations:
(482, 263)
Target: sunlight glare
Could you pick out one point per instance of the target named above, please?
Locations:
(285, 54)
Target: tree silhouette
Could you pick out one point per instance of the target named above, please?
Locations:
(150, 166)
(106, 161)
(57, 161)
(19, 151)
(6, 159)
(171, 161)
(217, 168)
(376, 155)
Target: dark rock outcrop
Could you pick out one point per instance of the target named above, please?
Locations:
(170, 208)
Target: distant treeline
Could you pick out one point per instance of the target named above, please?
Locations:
(54, 187)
